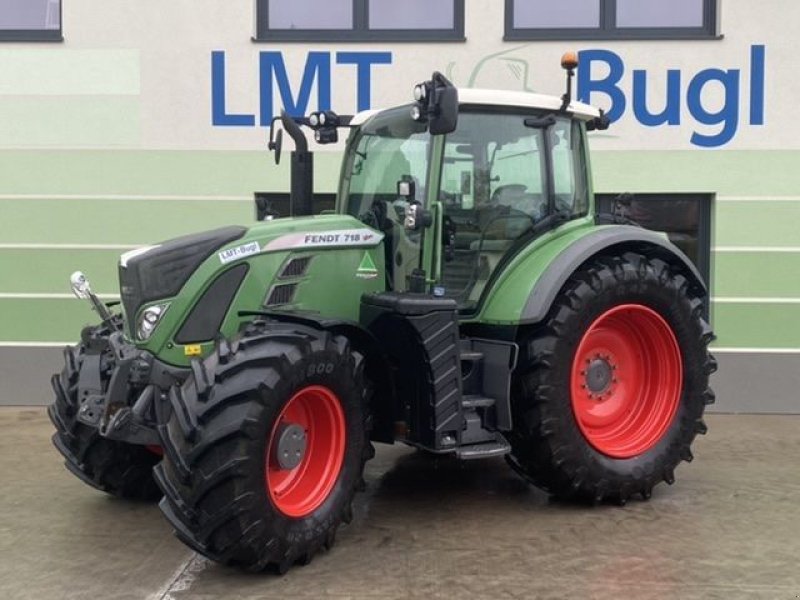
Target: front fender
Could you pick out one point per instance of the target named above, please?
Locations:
(526, 291)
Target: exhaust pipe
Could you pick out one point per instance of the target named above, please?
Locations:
(302, 169)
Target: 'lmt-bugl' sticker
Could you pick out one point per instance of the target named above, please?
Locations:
(232, 254)
(367, 268)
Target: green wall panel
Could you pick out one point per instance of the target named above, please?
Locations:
(43, 320)
(114, 221)
(725, 172)
(48, 271)
(757, 274)
(62, 71)
(757, 325)
(67, 205)
(761, 223)
(69, 121)
(153, 172)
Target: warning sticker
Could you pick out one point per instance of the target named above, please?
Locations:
(193, 350)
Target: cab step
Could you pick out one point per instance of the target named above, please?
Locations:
(477, 402)
(500, 447)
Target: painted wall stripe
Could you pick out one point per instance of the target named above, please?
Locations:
(36, 344)
(126, 197)
(720, 350)
(753, 300)
(21, 246)
(242, 198)
(787, 249)
(70, 246)
(37, 296)
(112, 296)
(64, 71)
(758, 198)
(724, 350)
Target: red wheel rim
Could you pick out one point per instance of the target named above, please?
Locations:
(300, 490)
(626, 381)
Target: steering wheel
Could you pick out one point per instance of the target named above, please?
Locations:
(376, 216)
(508, 213)
(512, 189)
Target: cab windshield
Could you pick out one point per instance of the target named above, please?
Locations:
(388, 149)
(391, 148)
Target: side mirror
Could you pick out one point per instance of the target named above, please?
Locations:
(276, 146)
(446, 119)
(436, 104)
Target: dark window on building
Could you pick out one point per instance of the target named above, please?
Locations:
(610, 19)
(30, 20)
(359, 20)
(685, 218)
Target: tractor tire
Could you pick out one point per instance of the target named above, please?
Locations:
(278, 393)
(120, 469)
(610, 390)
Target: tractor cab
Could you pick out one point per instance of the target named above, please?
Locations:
(512, 168)
(461, 180)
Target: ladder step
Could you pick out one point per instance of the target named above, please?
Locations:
(477, 402)
(469, 355)
(498, 448)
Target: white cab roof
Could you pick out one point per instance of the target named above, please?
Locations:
(525, 100)
(476, 96)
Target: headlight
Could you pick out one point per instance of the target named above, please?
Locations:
(148, 320)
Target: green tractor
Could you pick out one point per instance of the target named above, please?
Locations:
(464, 297)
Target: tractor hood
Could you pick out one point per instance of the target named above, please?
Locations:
(301, 233)
(173, 277)
(160, 271)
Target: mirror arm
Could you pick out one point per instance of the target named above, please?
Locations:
(293, 129)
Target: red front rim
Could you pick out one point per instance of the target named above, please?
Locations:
(626, 381)
(300, 490)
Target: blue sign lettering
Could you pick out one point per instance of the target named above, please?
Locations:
(272, 74)
(727, 117)
(219, 114)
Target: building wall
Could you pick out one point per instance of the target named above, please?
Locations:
(108, 140)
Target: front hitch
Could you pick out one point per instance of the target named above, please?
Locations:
(104, 390)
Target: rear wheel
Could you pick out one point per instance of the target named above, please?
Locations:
(117, 468)
(610, 392)
(265, 447)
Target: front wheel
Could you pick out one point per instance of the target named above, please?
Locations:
(610, 392)
(264, 447)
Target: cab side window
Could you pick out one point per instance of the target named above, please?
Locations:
(570, 181)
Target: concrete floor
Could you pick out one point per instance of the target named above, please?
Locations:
(729, 528)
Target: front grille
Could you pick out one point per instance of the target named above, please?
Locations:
(281, 294)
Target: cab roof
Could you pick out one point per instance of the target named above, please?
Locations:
(480, 97)
(524, 100)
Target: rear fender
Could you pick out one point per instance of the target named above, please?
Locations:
(547, 269)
